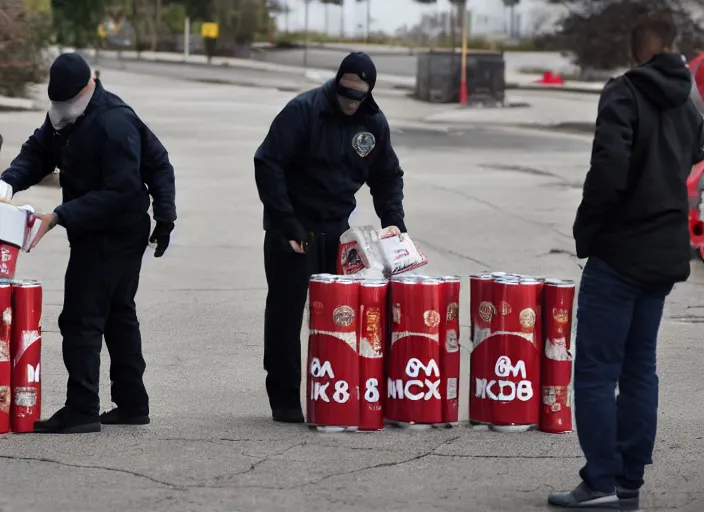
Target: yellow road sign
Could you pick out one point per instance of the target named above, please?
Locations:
(37, 6)
(210, 31)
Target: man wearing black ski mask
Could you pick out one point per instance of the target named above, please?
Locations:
(320, 150)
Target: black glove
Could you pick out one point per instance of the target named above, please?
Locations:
(161, 236)
(394, 221)
(293, 230)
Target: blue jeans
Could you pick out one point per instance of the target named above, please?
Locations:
(617, 329)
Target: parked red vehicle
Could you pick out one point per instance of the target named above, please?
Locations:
(695, 66)
(695, 183)
(695, 191)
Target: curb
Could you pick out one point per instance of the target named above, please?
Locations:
(309, 78)
(556, 88)
(569, 128)
(572, 127)
(245, 83)
(8, 104)
(251, 64)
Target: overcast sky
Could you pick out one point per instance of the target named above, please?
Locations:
(388, 15)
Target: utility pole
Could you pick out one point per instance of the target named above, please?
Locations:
(187, 39)
(307, 35)
(327, 19)
(369, 18)
(342, 19)
(463, 62)
(511, 4)
(157, 25)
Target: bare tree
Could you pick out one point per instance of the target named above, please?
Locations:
(597, 31)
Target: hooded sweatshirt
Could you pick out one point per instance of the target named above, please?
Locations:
(634, 208)
(315, 158)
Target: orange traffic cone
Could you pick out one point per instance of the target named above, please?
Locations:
(550, 78)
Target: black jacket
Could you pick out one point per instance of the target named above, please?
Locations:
(634, 206)
(307, 167)
(107, 158)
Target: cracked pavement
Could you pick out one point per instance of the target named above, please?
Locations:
(482, 197)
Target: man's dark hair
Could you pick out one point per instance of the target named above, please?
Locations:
(650, 28)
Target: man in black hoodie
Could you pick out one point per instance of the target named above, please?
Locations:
(320, 150)
(632, 227)
(110, 164)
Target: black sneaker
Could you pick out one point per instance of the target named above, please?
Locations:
(288, 415)
(119, 417)
(65, 421)
(628, 498)
(584, 497)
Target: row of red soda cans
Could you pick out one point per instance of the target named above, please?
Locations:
(425, 279)
(374, 281)
(507, 277)
(376, 366)
(20, 354)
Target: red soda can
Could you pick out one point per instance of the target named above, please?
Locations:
(482, 311)
(333, 354)
(372, 346)
(537, 335)
(8, 260)
(413, 387)
(556, 411)
(397, 292)
(450, 348)
(512, 387)
(25, 351)
(5, 362)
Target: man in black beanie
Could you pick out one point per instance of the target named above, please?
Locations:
(320, 150)
(110, 163)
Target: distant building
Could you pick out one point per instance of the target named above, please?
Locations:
(490, 18)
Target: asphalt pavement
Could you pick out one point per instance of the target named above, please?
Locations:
(486, 198)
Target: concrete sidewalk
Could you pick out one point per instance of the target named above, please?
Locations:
(514, 80)
(571, 112)
(201, 60)
(526, 81)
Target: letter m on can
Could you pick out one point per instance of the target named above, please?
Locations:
(33, 374)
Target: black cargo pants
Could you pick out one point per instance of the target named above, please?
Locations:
(100, 286)
(287, 275)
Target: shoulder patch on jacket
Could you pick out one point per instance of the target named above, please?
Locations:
(363, 143)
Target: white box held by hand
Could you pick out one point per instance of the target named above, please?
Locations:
(365, 249)
(14, 230)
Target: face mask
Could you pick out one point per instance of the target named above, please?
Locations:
(350, 94)
(63, 113)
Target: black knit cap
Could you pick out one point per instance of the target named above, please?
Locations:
(360, 64)
(68, 75)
